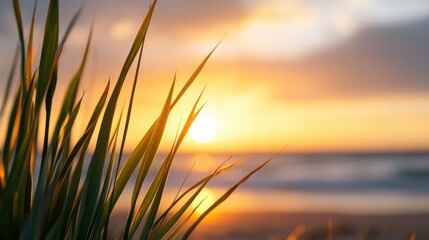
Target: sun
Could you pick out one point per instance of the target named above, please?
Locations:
(203, 129)
(203, 201)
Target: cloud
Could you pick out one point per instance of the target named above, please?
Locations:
(378, 61)
(296, 28)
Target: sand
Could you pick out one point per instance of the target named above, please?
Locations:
(309, 226)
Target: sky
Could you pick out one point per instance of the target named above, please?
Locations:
(314, 75)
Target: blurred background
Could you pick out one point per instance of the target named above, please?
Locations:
(342, 83)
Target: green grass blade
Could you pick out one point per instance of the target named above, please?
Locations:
(14, 119)
(18, 18)
(196, 185)
(71, 92)
(24, 140)
(130, 106)
(132, 162)
(9, 83)
(148, 197)
(222, 199)
(65, 138)
(47, 168)
(49, 47)
(29, 60)
(162, 230)
(182, 225)
(89, 198)
(12, 202)
(149, 155)
(154, 209)
(96, 223)
(51, 90)
(67, 166)
(71, 199)
(194, 76)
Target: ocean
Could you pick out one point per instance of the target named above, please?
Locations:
(341, 183)
(335, 183)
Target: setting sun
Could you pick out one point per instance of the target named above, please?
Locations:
(204, 129)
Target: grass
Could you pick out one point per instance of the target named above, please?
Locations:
(65, 203)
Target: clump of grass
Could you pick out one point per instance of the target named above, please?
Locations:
(66, 204)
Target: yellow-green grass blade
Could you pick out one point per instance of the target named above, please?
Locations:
(131, 226)
(48, 71)
(29, 60)
(70, 96)
(60, 186)
(13, 122)
(163, 172)
(132, 162)
(160, 221)
(72, 217)
(47, 168)
(68, 164)
(184, 181)
(57, 166)
(222, 199)
(9, 82)
(51, 90)
(96, 224)
(130, 106)
(148, 224)
(49, 47)
(72, 200)
(18, 18)
(25, 120)
(24, 140)
(93, 178)
(199, 183)
(182, 224)
(154, 209)
(194, 76)
(149, 155)
(12, 200)
(162, 230)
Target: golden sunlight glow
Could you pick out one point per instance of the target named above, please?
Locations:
(122, 30)
(204, 129)
(205, 199)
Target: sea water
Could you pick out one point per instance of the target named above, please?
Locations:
(344, 183)
(341, 183)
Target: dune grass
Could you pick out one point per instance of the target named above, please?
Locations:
(65, 203)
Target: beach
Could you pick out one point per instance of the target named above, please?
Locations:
(273, 226)
(314, 226)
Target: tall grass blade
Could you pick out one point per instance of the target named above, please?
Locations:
(127, 121)
(182, 224)
(221, 200)
(89, 198)
(73, 199)
(18, 18)
(196, 185)
(149, 155)
(9, 82)
(179, 213)
(96, 224)
(29, 60)
(49, 47)
(12, 129)
(51, 90)
(69, 98)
